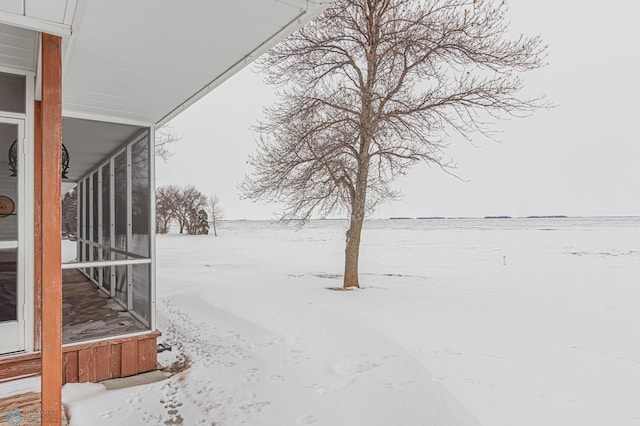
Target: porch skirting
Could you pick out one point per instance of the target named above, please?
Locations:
(91, 362)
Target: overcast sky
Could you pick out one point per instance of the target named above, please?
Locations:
(581, 158)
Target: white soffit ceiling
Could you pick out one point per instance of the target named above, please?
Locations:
(48, 10)
(54, 11)
(17, 48)
(51, 16)
(90, 142)
(139, 60)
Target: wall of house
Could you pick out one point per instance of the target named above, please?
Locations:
(8, 188)
(13, 100)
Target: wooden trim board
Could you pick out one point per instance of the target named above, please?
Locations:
(91, 362)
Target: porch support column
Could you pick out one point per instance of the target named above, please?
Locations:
(51, 223)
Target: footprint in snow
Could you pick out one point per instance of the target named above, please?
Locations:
(252, 376)
(233, 335)
(295, 356)
(445, 351)
(135, 401)
(393, 385)
(254, 407)
(171, 403)
(350, 366)
(150, 418)
(333, 387)
(105, 414)
(307, 420)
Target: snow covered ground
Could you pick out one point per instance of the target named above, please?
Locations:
(460, 322)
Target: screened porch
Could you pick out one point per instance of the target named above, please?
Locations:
(107, 277)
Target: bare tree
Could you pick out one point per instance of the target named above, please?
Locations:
(216, 213)
(70, 213)
(188, 205)
(165, 136)
(202, 226)
(374, 86)
(166, 201)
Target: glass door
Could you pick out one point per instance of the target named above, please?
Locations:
(12, 294)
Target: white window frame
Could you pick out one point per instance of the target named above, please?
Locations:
(15, 332)
(26, 209)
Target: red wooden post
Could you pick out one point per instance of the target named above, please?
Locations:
(51, 224)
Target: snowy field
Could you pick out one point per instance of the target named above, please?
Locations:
(463, 322)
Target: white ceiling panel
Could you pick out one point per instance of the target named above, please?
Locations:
(17, 47)
(12, 6)
(142, 59)
(191, 19)
(49, 10)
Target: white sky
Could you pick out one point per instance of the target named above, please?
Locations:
(581, 158)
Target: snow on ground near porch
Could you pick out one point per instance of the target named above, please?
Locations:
(466, 322)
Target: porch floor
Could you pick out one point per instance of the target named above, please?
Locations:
(23, 409)
(88, 313)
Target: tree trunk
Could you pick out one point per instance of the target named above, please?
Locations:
(359, 195)
(215, 232)
(352, 250)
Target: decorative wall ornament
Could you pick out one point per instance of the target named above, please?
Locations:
(7, 206)
(13, 160)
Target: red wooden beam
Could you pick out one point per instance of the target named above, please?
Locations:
(51, 223)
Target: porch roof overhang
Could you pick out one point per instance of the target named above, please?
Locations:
(139, 63)
(142, 62)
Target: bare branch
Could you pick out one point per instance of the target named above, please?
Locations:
(165, 137)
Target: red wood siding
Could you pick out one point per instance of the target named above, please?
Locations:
(126, 356)
(12, 367)
(91, 362)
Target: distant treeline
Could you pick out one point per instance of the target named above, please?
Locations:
(547, 217)
(486, 217)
